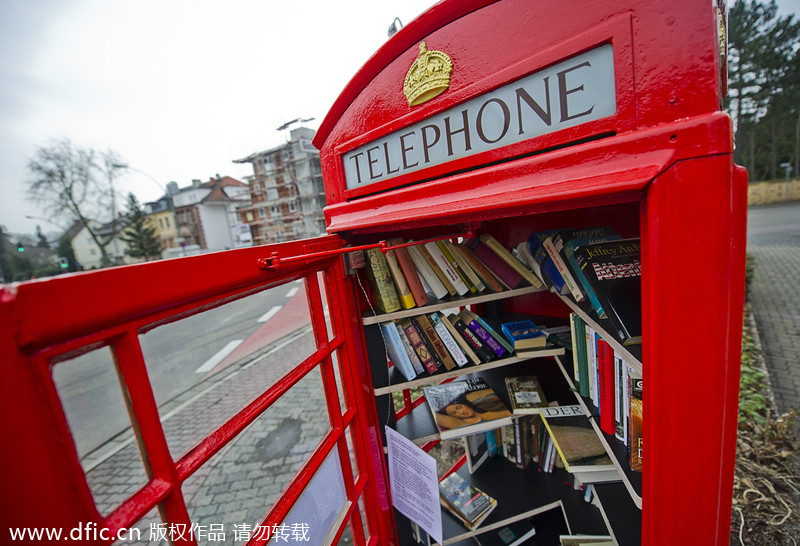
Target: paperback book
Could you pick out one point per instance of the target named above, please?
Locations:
(525, 394)
(468, 503)
(578, 446)
(466, 407)
(523, 335)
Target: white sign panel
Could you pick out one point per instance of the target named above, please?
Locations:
(567, 94)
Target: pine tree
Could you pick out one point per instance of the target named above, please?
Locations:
(140, 235)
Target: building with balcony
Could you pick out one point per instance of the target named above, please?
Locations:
(286, 191)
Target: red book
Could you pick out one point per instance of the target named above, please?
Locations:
(495, 263)
(410, 273)
(605, 372)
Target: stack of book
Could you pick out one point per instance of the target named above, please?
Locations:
(609, 383)
(467, 503)
(410, 276)
(595, 266)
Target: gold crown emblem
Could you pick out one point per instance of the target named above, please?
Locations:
(428, 76)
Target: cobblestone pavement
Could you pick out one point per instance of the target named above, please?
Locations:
(774, 241)
(236, 488)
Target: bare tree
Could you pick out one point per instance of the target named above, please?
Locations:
(77, 184)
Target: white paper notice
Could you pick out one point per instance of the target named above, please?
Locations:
(414, 484)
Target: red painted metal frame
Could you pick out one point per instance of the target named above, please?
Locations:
(48, 321)
(667, 149)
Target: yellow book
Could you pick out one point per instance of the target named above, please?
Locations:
(404, 294)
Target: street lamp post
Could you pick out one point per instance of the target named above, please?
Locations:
(129, 168)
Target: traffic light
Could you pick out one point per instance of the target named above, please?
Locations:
(63, 262)
(20, 247)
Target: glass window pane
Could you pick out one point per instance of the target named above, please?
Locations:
(98, 418)
(239, 485)
(207, 367)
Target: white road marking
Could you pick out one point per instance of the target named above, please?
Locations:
(292, 292)
(269, 314)
(212, 362)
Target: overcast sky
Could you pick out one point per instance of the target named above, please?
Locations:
(178, 88)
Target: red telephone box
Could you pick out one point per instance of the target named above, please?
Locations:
(480, 117)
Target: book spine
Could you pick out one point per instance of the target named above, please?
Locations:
(448, 340)
(428, 345)
(419, 345)
(404, 295)
(504, 272)
(635, 425)
(447, 268)
(445, 250)
(509, 258)
(475, 326)
(395, 350)
(427, 273)
(605, 368)
(412, 355)
(481, 349)
(551, 248)
(464, 267)
(380, 280)
(619, 399)
(578, 261)
(480, 269)
(499, 338)
(591, 363)
(411, 275)
(462, 343)
(436, 269)
(438, 346)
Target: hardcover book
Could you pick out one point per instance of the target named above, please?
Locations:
(577, 444)
(546, 268)
(523, 335)
(412, 354)
(511, 260)
(465, 266)
(614, 271)
(499, 267)
(465, 501)
(438, 290)
(396, 350)
(635, 425)
(465, 407)
(410, 272)
(447, 268)
(435, 342)
(425, 253)
(480, 268)
(525, 394)
(380, 280)
(580, 277)
(483, 351)
(559, 245)
(419, 345)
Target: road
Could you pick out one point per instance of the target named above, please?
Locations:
(773, 239)
(178, 356)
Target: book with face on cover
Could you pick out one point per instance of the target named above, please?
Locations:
(465, 407)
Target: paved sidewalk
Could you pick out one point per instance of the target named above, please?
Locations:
(775, 299)
(233, 491)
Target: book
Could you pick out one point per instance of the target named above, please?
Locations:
(499, 267)
(447, 268)
(613, 269)
(448, 340)
(525, 394)
(511, 260)
(581, 540)
(523, 334)
(546, 268)
(462, 343)
(480, 268)
(522, 441)
(412, 354)
(439, 350)
(476, 448)
(465, 407)
(380, 280)
(472, 323)
(577, 444)
(511, 534)
(580, 277)
(437, 289)
(462, 274)
(469, 504)
(482, 351)
(404, 295)
(434, 265)
(579, 356)
(419, 345)
(605, 381)
(635, 424)
(500, 338)
(556, 245)
(465, 266)
(410, 272)
(396, 351)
